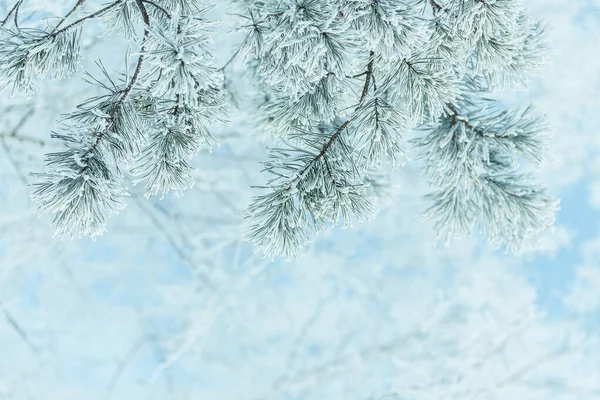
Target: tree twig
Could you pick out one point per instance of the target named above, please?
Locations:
(127, 91)
(158, 7)
(83, 19)
(20, 331)
(122, 364)
(435, 6)
(14, 10)
(340, 129)
(73, 10)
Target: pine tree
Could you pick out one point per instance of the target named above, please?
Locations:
(341, 83)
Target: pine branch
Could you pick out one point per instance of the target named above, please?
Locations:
(303, 51)
(144, 12)
(15, 11)
(71, 12)
(436, 7)
(368, 74)
(158, 7)
(326, 147)
(455, 116)
(83, 19)
(125, 93)
(128, 89)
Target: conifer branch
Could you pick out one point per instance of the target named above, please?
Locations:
(71, 12)
(158, 7)
(14, 10)
(368, 74)
(127, 91)
(455, 116)
(435, 6)
(145, 16)
(304, 54)
(80, 21)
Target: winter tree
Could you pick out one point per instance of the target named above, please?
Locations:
(336, 84)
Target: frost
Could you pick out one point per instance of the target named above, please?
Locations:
(78, 160)
(338, 83)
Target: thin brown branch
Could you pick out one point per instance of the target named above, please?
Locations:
(173, 243)
(144, 12)
(435, 6)
(127, 91)
(326, 147)
(16, 19)
(367, 80)
(73, 10)
(13, 134)
(410, 66)
(12, 160)
(340, 129)
(158, 7)
(22, 122)
(83, 19)
(235, 54)
(237, 51)
(15, 11)
(357, 75)
(454, 118)
(20, 331)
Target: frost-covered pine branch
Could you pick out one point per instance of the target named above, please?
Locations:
(149, 123)
(473, 159)
(340, 83)
(346, 79)
(185, 96)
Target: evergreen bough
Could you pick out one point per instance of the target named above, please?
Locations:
(340, 81)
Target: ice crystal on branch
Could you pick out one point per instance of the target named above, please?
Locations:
(27, 54)
(186, 96)
(473, 158)
(180, 62)
(82, 185)
(124, 18)
(80, 188)
(388, 27)
(311, 189)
